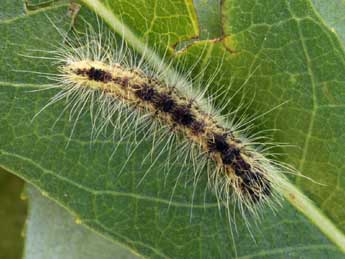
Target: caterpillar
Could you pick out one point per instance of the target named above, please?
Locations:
(134, 97)
(168, 105)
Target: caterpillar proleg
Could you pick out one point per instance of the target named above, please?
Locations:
(133, 97)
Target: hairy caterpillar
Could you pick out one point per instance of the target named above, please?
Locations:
(133, 97)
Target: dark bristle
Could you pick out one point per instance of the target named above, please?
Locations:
(264, 184)
(182, 115)
(253, 196)
(99, 75)
(267, 189)
(255, 181)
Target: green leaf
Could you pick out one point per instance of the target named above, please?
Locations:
(11, 8)
(12, 216)
(295, 56)
(333, 15)
(301, 60)
(53, 233)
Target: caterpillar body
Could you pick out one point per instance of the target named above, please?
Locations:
(238, 164)
(119, 83)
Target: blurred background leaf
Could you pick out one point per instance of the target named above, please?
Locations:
(12, 216)
(52, 232)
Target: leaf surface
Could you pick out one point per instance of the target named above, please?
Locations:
(295, 56)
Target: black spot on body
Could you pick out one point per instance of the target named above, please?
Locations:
(229, 153)
(238, 171)
(182, 115)
(164, 103)
(242, 164)
(98, 75)
(218, 143)
(228, 157)
(145, 93)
